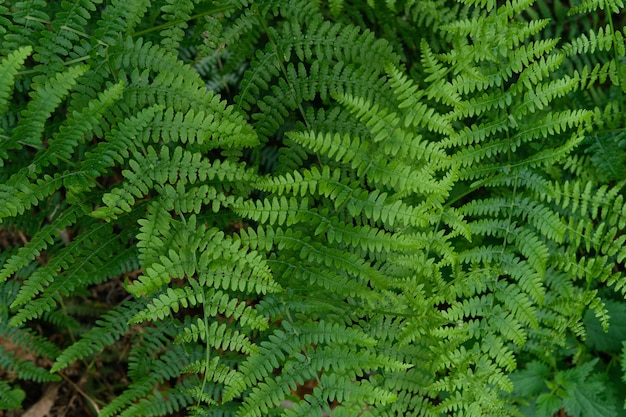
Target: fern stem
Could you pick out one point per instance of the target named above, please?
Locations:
(282, 65)
(36, 19)
(609, 16)
(78, 32)
(207, 352)
(470, 189)
(90, 401)
(510, 218)
(66, 63)
(178, 22)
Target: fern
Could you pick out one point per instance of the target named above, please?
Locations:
(397, 204)
(16, 341)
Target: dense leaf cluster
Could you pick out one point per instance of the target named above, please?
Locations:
(416, 207)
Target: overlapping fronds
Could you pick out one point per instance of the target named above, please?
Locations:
(394, 204)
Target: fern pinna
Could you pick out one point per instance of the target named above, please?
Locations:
(415, 208)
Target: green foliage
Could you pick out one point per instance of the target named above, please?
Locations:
(578, 391)
(416, 208)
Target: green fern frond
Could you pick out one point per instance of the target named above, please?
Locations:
(376, 206)
(24, 369)
(120, 144)
(154, 232)
(530, 280)
(165, 366)
(181, 167)
(329, 279)
(25, 338)
(325, 41)
(214, 302)
(314, 252)
(60, 148)
(322, 79)
(275, 211)
(281, 345)
(10, 397)
(8, 70)
(395, 141)
(120, 20)
(416, 112)
(320, 47)
(602, 39)
(61, 42)
(97, 261)
(582, 199)
(353, 398)
(219, 128)
(111, 327)
(45, 99)
(217, 260)
(26, 24)
(76, 127)
(43, 239)
(22, 340)
(176, 13)
(218, 336)
(396, 202)
(161, 404)
(519, 304)
(587, 6)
